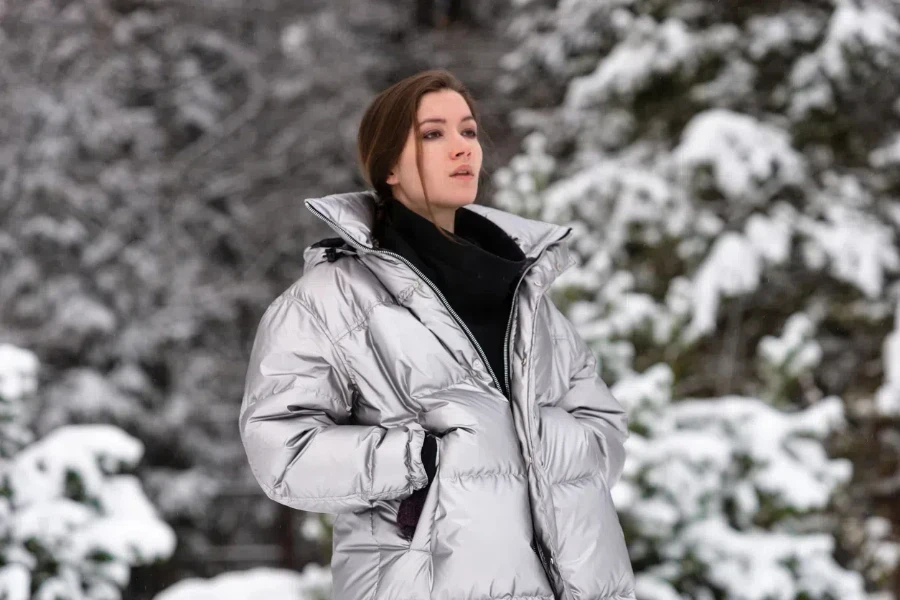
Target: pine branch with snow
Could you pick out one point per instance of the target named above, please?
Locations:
(73, 521)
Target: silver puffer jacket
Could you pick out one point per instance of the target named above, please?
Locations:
(362, 355)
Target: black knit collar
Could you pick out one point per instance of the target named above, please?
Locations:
(480, 270)
(473, 236)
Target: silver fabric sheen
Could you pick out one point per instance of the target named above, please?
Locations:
(356, 360)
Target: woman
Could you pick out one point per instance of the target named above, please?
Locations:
(418, 382)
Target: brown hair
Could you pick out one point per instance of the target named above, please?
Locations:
(384, 129)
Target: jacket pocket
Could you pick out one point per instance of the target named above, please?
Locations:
(422, 535)
(415, 514)
(569, 450)
(410, 511)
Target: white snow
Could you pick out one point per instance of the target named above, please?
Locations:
(796, 351)
(738, 202)
(91, 451)
(15, 581)
(887, 398)
(108, 513)
(732, 268)
(313, 583)
(756, 565)
(854, 28)
(750, 159)
(651, 51)
(84, 315)
(70, 501)
(614, 197)
(859, 249)
(887, 155)
(769, 437)
(18, 372)
(771, 234)
(776, 33)
(646, 397)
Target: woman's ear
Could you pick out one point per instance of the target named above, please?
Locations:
(391, 179)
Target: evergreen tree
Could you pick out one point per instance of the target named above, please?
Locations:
(153, 163)
(73, 519)
(730, 173)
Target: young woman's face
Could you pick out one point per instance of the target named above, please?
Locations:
(449, 140)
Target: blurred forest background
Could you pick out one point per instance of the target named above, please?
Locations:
(732, 173)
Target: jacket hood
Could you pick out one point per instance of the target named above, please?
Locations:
(352, 214)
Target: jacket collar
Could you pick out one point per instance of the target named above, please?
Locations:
(476, 241)
(351, 216)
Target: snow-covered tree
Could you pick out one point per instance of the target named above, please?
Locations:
(730, 173)
(153, 161)
(73, 519)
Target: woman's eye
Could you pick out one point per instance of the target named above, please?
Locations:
(427, 136)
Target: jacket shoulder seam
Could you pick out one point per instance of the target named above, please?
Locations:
(312, 312)
(367, 311)
(331, 340)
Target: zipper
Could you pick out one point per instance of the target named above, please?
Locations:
(440, 296)
(507, 339)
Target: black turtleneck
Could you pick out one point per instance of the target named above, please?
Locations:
(477, 276)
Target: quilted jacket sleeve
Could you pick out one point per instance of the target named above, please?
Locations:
(295, 423)
(589, 400)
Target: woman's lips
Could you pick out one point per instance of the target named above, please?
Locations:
(468, 177)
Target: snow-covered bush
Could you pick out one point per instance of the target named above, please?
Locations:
(313, 583)
(73, 521)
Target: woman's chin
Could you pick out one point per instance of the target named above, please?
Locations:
(455, 199)
(462, 199)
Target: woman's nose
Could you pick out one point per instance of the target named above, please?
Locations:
(462, 145)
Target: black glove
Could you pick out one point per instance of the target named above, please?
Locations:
(411, 508)
(429, 455)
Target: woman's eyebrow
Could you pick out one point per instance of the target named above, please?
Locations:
(437, 120)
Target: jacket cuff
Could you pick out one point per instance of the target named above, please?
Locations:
(417, 477)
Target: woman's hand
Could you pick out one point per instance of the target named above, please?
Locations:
(411, 507)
